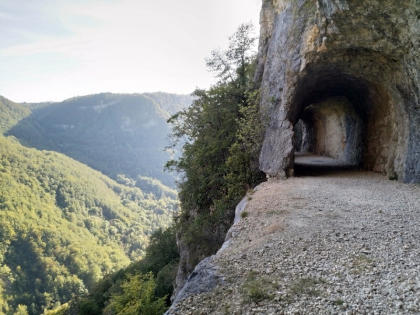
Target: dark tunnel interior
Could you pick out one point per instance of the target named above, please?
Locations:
(330, 122)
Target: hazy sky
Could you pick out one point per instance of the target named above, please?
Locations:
(51, 50)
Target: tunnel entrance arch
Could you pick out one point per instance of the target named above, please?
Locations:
(356, 94)
(345, 117)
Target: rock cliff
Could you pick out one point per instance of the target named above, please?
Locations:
(350, 66)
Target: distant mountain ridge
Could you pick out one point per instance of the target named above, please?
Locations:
(117, 134)
(168, 102)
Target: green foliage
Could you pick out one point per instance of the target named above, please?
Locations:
(160, 261)
(11, 113)
(21, 310)
(61, 310)
(117, 134)
(257, 288)
(243, 163)
(170, 103)
(162, 250)
(393, 176)
(156, 187)
(138, 297)
(63, 226)
(256, 291)
(221, 134)
(233, 64)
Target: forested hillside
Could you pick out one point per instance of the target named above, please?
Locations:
(11, 113)
(117, 134)
(63, 226)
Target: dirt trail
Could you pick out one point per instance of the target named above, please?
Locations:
(345, 242)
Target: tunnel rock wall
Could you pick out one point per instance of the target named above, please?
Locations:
(337, 130)
(365, 51)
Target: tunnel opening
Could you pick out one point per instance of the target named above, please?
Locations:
(330, 121)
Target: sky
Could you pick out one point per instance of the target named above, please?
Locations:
(52, 50)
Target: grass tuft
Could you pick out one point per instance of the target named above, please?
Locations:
(306, 286)
(256, 289)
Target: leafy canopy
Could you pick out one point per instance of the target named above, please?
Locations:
(137, 297)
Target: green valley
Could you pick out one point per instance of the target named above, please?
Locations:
(64, 225)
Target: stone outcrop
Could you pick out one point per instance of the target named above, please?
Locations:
(186, 283)
(205, 276)
(348, 71)
(203, 279)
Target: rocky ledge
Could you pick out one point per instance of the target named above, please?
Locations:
(343, 243)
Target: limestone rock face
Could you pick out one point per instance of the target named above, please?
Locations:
(352, 65)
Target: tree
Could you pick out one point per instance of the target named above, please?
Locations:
(138, 297)
(232, 64)
(243, 161)
(21, 310)
(209, 126)
(213, 140)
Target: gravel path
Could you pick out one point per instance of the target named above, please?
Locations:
(343, 243)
